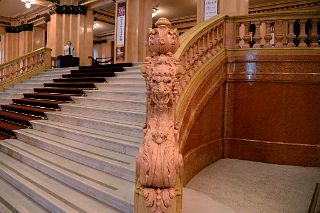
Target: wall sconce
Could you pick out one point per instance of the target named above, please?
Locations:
(154, 12)
(95, 25)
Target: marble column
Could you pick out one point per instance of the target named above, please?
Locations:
(76, 28)
(226, 7)
(137, 22)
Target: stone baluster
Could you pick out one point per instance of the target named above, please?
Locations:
(1, 74)
(291, 35)
(214, 42)
(303, 35)
(268, 36)
(238, 38)
(246, 37)
(159, 160)
(257, 37)
(279, 34)
(314, 33)
(210, 44)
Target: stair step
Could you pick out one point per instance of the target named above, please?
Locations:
(51, 194)
(114, 69)
(71, 84)
(138, 106)
(16, 201)
(118, 95)
(125, 80)
(17, 118)
(60, 90)
(36, 111)
(50, 96)
(113, 141)
(8, 95)
(2, 137)
(8, 128)
(96, 123)
(36, 81)
(92, 74)
(92, 79)
(38, 103)
(129, 117)
(47, 76)
(114, 163)
(5, 101)
(121, 87)
(106, 188)
(28, 85)
(107, 66)
(18, 90)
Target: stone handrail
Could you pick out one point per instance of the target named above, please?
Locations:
(22, 67)
(287, 29)
(174, 77)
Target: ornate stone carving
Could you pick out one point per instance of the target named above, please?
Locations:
(159, 158)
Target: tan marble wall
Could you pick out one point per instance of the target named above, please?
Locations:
(38, 38)
(268, 112)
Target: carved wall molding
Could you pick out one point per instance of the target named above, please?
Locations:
(159, 159)
(104, 16)
(18, 29)
(68, 9)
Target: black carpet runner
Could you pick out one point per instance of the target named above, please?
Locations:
(34, 105)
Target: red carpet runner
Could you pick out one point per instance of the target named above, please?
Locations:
(34, 105)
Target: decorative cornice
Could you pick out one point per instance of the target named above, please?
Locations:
(18, 29)
(100, 41)
(54, 1)
(285, 6)
(45, 16)
(68, 9)
(104, 16)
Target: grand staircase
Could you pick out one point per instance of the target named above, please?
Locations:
(73, 140)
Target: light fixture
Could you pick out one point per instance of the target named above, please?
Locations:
(95, 25)
(154, 12)
(28, 4)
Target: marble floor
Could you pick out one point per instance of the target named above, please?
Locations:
(229, 186)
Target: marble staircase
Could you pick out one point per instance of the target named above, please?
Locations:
(79, 159)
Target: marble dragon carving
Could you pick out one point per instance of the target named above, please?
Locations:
(159, 158)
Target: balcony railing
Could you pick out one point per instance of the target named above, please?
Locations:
(23, 67)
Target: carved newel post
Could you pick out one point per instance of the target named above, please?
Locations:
(159, 160)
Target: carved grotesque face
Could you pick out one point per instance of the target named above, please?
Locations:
(159, 136)
(161, 88)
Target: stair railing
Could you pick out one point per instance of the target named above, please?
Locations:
(172, 77)
(24, 67)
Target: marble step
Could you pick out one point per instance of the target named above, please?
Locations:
(4, 101)
(125, 80)
(106, 188)
(9, 95)
(28, 85)
(19, 90)
(131, 73)
(139, 106)
(121, 87)
(127, 117)
(133, 68)
(35, 81)
(96, 123)
(16, 201)
(118, 95)
(107, 140)
(47, 77)
(49, 193)
(117, 164)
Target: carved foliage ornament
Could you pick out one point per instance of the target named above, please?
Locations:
(159, 158)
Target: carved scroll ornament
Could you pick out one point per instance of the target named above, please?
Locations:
(159, 158)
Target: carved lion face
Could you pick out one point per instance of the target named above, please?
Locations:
(161, 86)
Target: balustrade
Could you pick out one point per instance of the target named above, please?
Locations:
(36, 60)
(286, 34)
